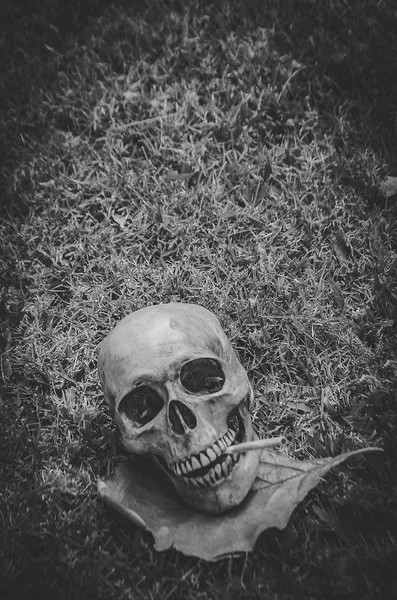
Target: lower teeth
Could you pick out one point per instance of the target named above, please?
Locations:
(209, 480)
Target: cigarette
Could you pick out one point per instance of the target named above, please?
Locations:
(255, 445)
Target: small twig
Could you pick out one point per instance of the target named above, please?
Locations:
(255, 445)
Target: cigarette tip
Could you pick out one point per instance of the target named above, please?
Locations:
(255, 445)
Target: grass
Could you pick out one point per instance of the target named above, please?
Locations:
(225, 153)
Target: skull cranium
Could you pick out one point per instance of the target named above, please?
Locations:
(179, 393)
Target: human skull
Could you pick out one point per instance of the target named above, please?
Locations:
(179, 394)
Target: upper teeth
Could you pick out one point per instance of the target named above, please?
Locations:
(205, 458)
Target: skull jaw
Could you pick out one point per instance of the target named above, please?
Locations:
(225, 494)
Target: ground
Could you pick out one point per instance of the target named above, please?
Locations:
(229, 153)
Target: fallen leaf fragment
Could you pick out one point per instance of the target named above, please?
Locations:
(341, 248)
(6, 367)
(144, 495)
(175, 176)
(120, 220)
(337, 294)
(389, 186)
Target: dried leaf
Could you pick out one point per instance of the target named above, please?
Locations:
(120, 220)
(299, 407)
(175, 176)
(341, 248)
(6, 367)
(389, 186)
(337, 294)
(145, 496)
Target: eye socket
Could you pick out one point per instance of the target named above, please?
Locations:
(141, 405)
(202, 375)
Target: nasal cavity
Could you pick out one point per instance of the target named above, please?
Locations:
(182, 419)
